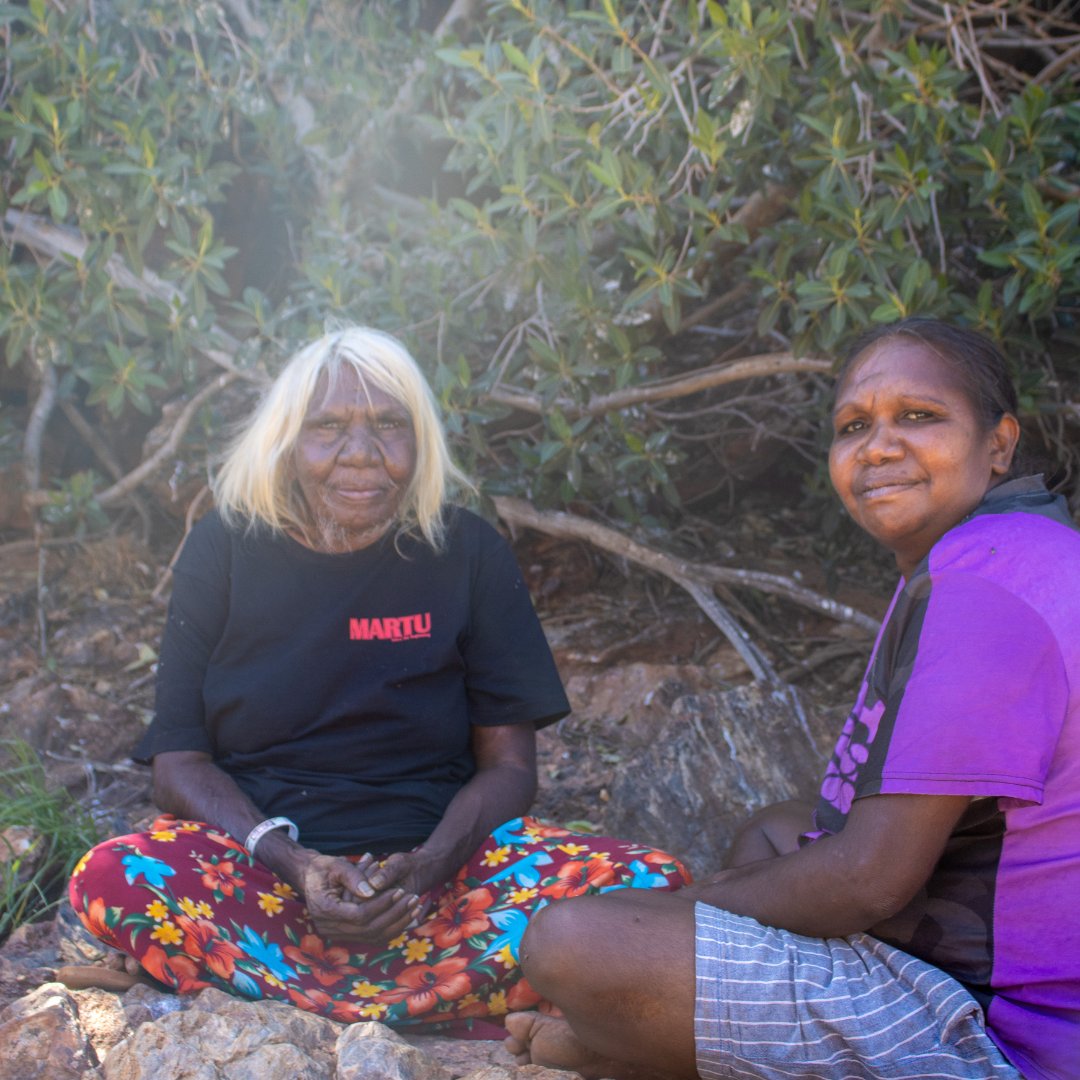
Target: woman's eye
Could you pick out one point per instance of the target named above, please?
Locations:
(391, 423)
(850, 427)
(919, 414)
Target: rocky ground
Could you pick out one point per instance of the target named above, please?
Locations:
(669, 741)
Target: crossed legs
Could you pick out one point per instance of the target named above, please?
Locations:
(620, 967)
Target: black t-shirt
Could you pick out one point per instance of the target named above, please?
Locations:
(339, 690)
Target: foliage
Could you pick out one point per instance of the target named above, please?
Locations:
(554, 203)
(60, 832)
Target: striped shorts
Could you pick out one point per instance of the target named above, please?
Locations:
(780, 1005)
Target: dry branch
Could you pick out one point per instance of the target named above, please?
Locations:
(690, 382)
(691, 576)
(168, 448)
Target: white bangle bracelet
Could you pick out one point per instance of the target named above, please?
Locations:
(269, 825)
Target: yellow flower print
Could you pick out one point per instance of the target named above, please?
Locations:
(80, 866)
(467, 1000)
(418, 949)
(189, 826)
(506, 958)
(497, 1003)
(397, 942)
(572, 849)
(284, 890)
(373, 1011)
(496, 857)
(196, 910)
(532, 831)
(363, 988)
(599, 855)
(273, 980)
(167, 933)
(271, 904)
(157, 910)
(165, 836)
(519, 896)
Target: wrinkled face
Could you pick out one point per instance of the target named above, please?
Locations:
(910, 457)
(353, 460)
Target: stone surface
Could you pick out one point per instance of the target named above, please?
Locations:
(218, 1037)
(41, 1038)
(712, 759)
(461, 1056)
(374, 1052)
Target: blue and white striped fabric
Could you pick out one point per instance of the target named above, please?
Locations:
(772, 1004)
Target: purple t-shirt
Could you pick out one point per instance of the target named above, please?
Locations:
(973, 688)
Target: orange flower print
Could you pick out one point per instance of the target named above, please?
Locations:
(422, 987)
(471, 1005)
(459, 919)
(319, 1001)
(578, 876)
(522, 996)
(203, 941)
(180, 972)
(220, 877)
(541, 830)
(328, 964)
(226, 841)
(662, 858)
(94, 921)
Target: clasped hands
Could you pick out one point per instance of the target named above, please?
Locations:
(365, 900)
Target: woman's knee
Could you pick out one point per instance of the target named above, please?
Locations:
(554, 941)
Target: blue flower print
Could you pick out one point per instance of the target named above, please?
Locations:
(154, 870)
(266, 953)
(524, 871)
(643, 878)
(246, 985)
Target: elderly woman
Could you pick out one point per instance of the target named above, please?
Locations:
(351, 679)
(924, 919)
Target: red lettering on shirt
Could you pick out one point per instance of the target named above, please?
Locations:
(401, 628)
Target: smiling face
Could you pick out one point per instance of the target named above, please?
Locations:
(353, 460)
(911, 456)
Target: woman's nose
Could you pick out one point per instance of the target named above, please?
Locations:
(881, 443)
(359, 445)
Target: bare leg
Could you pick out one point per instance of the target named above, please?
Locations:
(621, 969)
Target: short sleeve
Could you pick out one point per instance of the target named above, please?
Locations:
(510, 676)
(198, 609)
(982, 706)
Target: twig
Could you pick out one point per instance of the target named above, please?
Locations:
(122, 488)
(691, 576)
(691, 382)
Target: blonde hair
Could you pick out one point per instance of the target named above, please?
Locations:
(256, 483)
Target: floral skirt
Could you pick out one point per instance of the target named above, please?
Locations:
(196, 909)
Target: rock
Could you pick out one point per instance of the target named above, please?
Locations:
(41, 1039)
(521, 1072)
(715, 758)
(102, 1019)
(27, 960)
(75, 944)
(144, 1004)
(461, 1056)
(218, 1037)
(372, 1051)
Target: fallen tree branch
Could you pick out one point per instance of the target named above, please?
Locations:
(691, 576)
(122, 488)
(690, 382)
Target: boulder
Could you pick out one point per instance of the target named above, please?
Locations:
(372, 1051)
(41, 1037)
(710, 761)
(218, 1037)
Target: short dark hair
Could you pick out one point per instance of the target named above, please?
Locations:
(980, 364)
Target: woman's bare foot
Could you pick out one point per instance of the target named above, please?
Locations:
(536, 1039)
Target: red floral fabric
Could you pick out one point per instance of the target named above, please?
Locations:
(196, 909)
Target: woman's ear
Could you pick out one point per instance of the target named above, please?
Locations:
(1003, 439)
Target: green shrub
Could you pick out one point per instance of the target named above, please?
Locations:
(59, 831)
(556, 204)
